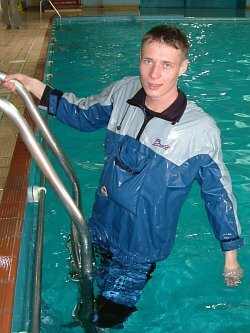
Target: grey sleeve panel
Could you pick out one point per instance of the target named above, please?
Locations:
(90, 113)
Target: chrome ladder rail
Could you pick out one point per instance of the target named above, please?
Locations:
(64, 162)
(56, 149)
(52, 5)
(74, 212)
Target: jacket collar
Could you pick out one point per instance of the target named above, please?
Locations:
(173, 113)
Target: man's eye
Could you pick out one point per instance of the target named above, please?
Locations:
(147, 61)
(167, 65)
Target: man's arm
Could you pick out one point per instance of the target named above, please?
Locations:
(84, 114)
(216, 191)
(34, 86)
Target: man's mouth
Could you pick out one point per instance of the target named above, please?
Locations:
(154, 86)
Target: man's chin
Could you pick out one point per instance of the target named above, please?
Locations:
(152, 94)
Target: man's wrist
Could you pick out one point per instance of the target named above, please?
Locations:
(44, 100)
(37, 88)
(231, 258)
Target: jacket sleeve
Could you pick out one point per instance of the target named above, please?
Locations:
(85, 114)
(216, 191)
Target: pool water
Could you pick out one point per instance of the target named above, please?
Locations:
(187, 292)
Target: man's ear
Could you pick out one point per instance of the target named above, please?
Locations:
(184, 66)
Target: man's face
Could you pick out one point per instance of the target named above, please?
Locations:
(160, 67)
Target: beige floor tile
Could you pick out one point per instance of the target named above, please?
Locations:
(5, 162)
(4, 172)
(6, 149)
(2, 182)
(7, 134)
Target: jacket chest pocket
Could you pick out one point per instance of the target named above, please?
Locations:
(122, 179)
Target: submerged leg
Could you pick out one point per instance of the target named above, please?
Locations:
(121, 289)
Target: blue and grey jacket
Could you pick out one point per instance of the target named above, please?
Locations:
(150, 165)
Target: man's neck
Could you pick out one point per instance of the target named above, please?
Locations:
(160, 104)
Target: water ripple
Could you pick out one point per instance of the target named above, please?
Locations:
(243, 115)
(241, 124)
(246, 98)
(90, 166)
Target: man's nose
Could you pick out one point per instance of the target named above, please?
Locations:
(155, 71)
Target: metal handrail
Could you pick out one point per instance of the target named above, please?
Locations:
(52, 5)
(49, 138)
(37, 278)
(74, 212)
(52, 142)
(36, 300)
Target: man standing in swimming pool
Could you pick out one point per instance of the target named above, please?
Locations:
(157, 145)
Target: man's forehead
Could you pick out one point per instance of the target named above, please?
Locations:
(154, 45)
(168, 48)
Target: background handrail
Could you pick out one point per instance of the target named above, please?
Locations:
(52, 5)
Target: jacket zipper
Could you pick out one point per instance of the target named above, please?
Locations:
(147, 118)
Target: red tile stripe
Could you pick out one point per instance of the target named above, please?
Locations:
(11, 221)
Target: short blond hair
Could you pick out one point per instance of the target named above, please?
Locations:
(170, 35)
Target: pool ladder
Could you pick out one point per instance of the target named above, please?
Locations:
(53, 6)
(80, 234)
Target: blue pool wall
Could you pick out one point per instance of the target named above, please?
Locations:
(218, 4)
(175, 3)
